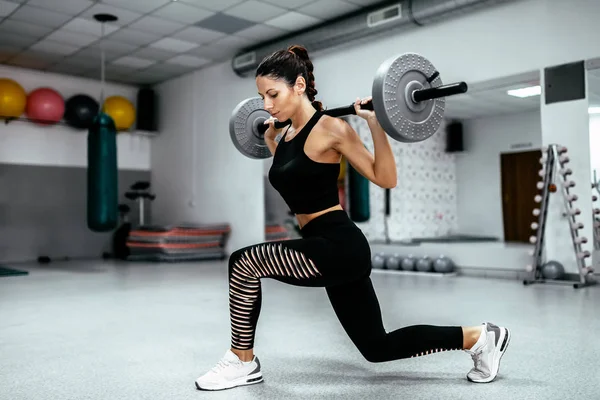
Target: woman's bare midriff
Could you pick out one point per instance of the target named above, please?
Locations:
(304, 219)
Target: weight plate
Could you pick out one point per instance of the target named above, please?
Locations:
(243, 128)
(400, 117)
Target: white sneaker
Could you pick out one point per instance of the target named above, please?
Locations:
(229, 373)
(488, 353)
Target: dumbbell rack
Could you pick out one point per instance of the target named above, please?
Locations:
(554, 160)
(596, 211)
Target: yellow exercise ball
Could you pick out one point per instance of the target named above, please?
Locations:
(121, 111)
(13, 99)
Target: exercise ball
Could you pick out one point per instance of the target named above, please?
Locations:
(424, 264)
(45, 106)
(80, 111)
(378, 261)
(393, 261)
(121, 111)
(13, 99)
(443, 264)
(553, 270)
(408, 263)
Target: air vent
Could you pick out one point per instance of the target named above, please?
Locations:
(384, 15)
(244, 60)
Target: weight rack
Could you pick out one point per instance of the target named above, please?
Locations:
(554, 160)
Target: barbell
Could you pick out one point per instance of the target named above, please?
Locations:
(408, 98)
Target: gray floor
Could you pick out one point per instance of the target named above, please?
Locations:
(145, 331)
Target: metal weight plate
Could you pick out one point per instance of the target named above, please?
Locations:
(243, 128)
(399, 116)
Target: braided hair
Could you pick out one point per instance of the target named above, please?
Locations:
(288, 64)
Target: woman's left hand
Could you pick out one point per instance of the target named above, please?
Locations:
(366, 114)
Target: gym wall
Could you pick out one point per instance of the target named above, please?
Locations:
(494, 42)
(43, 176)
(478, 168)
(423, 204)
(198, 174)
(229, 186)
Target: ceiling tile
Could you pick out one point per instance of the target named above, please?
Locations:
(261, 32)
(180, 12)
(23, 28)
(232, 43)
(132, 36)
(142, 6)
(15, 40)
(151, 53)
(134, 62)
(124, 16)
(156, 25)
(328, 9)
(224, 23)
(222, 48)
(70, 7)
(198, 35)
(177, 45)
(7, 8)
(188, 60)
(168, 68)
(39, 16)
(80, 60)
(54, 47)
(256, 11)
(67, 69)
(213, 5)
(293, 21)
(364, 3)
(111, 47)
(212, 52)
(293, 4)
(74, 38)
(88, 26)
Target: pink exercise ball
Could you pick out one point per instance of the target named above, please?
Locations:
(45, 106)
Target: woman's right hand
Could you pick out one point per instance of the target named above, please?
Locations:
(272, 132)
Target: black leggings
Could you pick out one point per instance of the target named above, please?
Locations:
(333, 253)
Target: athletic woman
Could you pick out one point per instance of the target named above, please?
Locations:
(333, 252)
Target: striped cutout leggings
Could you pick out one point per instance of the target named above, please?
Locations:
(332, 253)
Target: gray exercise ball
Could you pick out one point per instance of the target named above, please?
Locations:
(393, 261)
(443, 265)
(553, 270)
(425, 264)
(408, 263)
(378, 261)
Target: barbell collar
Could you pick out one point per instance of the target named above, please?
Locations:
(440, 91)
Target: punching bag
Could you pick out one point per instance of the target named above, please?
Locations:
(102, 175)
(358, 195)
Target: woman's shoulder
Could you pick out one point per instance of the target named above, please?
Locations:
(335, 129)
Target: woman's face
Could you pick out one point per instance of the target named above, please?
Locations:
(280, 100)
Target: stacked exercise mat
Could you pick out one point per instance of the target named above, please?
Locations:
(275, 232)
(189, 242)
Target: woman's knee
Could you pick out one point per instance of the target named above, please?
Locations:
(235, 260)
(374, 352)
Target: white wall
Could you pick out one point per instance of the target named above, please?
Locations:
(478, 168)
(59, 145)
(198, 174)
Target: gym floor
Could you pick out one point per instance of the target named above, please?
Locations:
(103, 330)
